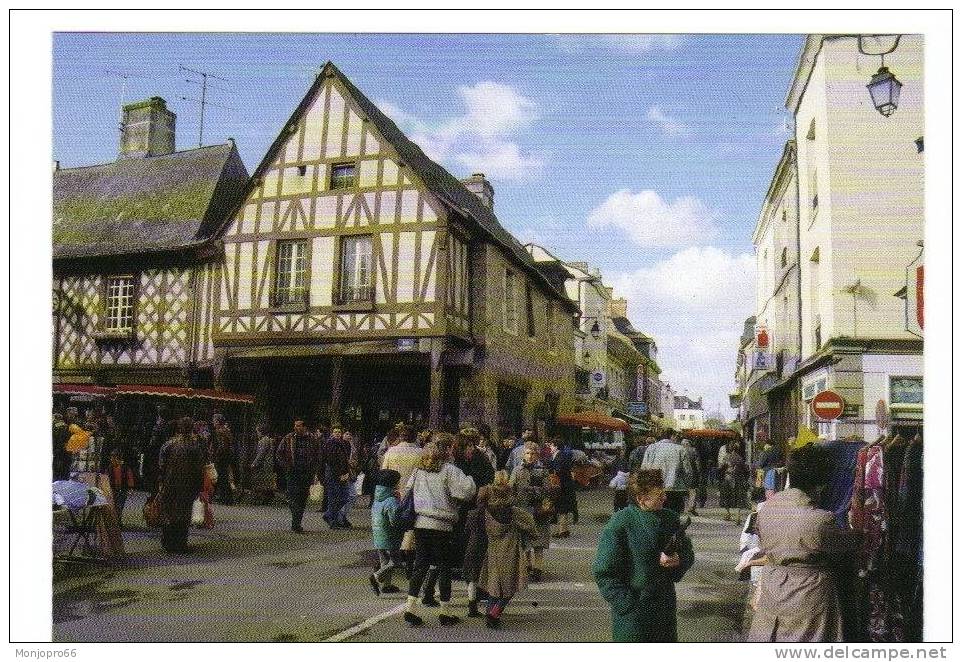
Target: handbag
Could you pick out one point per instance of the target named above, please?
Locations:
(197, 513)
(406, 514)
(152, 513)
(212, 472)
(315, 493)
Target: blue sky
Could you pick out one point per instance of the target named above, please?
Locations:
(645, 155)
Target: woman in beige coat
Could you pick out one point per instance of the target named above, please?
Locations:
(797, 597)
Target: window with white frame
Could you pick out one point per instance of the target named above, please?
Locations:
(119, 308)
(356, 283)
(290, 285)
(509, 296)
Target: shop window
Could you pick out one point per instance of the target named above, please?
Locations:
(356, 283)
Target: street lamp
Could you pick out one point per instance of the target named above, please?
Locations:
(884, 88)
(595, 330)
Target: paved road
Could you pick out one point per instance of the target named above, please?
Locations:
(250, 579)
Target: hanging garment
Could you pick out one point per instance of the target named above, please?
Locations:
(838, 496)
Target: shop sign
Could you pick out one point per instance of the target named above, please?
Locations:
(905, 391)
(598, 378)
(762, 339)
(762, 361)
(637, 408)
(813, 387)
(915, 296)
(406, 344)
(828, 406)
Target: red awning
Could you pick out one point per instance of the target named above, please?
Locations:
(187, 393)
(702, 433)
(83, 389)
(594, 420)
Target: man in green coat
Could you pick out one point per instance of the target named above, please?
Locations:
(632, 570)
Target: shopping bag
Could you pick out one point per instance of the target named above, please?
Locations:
(152, 513)
(197, 513)
(315, 493)
(406, 514)
(359, 485)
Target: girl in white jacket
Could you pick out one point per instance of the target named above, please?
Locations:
(438, 488)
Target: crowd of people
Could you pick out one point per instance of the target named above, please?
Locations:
(451, 506)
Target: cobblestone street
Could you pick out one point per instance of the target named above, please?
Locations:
(250, 579)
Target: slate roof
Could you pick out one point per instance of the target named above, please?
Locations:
(442, 184)
(142, 205)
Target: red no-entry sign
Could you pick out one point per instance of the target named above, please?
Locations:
(828, 406)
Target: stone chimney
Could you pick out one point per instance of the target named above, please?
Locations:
(619, 307)
(481, 187)
(147, 128)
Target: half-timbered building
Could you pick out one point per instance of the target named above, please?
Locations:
(136, 263)
(364, 283)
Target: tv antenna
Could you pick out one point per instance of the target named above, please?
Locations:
(203, 82)
(123, 76)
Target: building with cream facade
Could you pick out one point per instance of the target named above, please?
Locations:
(860, 225)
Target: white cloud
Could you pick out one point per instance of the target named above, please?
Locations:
(651, 221)
(481, 138)
(694, 303)
(620, 43)
(668, 125)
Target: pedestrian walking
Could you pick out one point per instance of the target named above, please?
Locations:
(385, 531)
(404, 457)
(499, 532)
(181, 462)
(676, 469)
(514, 459)
(438, 488)
(121, 478)
(695, 480)
(336, 454)
(160, 432)
(562, 489)
(222, 440)
(504, 451)
(529, 480)
(797, 596)
(355, 467)
(61, 457)
(733, 488)
(474, 465)
(298, 455)
(263, 482)
(642, 553)
(620, 486)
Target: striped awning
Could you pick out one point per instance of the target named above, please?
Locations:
(186, 393)
(83, 389)
(594, 420)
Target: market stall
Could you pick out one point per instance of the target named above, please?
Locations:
(592, 430)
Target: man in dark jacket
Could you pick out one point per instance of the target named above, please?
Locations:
(298, 456)
(223, 447)
(61, 456)
(337, 471)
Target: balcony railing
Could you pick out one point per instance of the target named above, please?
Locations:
(355, 294)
